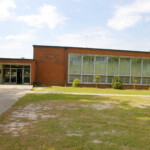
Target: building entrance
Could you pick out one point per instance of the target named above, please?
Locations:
(16, 74)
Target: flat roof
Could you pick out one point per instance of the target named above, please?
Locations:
(16, 59)
(92, 48)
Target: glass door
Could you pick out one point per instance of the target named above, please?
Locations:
(13, 76)
(6, 75)
(26, 75)
(16, 74)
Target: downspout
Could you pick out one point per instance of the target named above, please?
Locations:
(66, 52)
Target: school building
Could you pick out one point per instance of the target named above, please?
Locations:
(59, 66)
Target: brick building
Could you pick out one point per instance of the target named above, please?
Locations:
(59, 66)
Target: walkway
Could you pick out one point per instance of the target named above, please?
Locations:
(91, 94)
(10, 94)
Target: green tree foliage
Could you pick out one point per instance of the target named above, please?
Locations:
(116, 83)
(96, 79)
(134, 82)
(76, 83)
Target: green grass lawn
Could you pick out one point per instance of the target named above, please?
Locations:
(76, 122)
(91, 90)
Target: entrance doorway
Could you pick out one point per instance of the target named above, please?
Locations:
(16, 74)
(19, 76)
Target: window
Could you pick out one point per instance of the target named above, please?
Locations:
(146, 67)
(136, 67)
(16, 74)
(138, 79)
(6, 75)
(124, 67)
(88, 65)
(84, 67)
(103, 79)
(75, 64)
(6, 66)
(113, 66)
(109, 79)
(87, 78)
(13, 75)
(72, 77)
(146, 81)
(100, 65)
(26, 75)
(125, 79)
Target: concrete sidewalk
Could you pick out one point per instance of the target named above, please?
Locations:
(10, 94)
(90, 94)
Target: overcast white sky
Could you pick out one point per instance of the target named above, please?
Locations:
(114, 24)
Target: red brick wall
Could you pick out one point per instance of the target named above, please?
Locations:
(22, 61)
(108, 52)
(51, 63)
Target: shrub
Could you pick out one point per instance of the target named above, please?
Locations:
(96, 79)
(116, 83)
(76, 83)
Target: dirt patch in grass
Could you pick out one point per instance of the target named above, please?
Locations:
(68, 106)
(15, 127)
(97, 141)
(144, 106)
(25, 117)
(98, 106)
(33, 112)
(75, 133)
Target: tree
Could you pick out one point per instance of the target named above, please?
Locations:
(134, 81)
(96, 79)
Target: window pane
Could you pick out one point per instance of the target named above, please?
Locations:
(27, 67)
(125, 66)
(146, 81)
(136, 67)
(87, 78)
(16, 66)
(102, 79)
(26, 75)
(88, 65)
(75, 64)
(138, 80)
(146, 67)
(6, 75)
(112, 66)
(72, 77)
(6, 66)
(100, 65)
(125, 80)
(109, 79)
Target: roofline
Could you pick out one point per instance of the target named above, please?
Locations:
(16, 59)
(92, 48)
